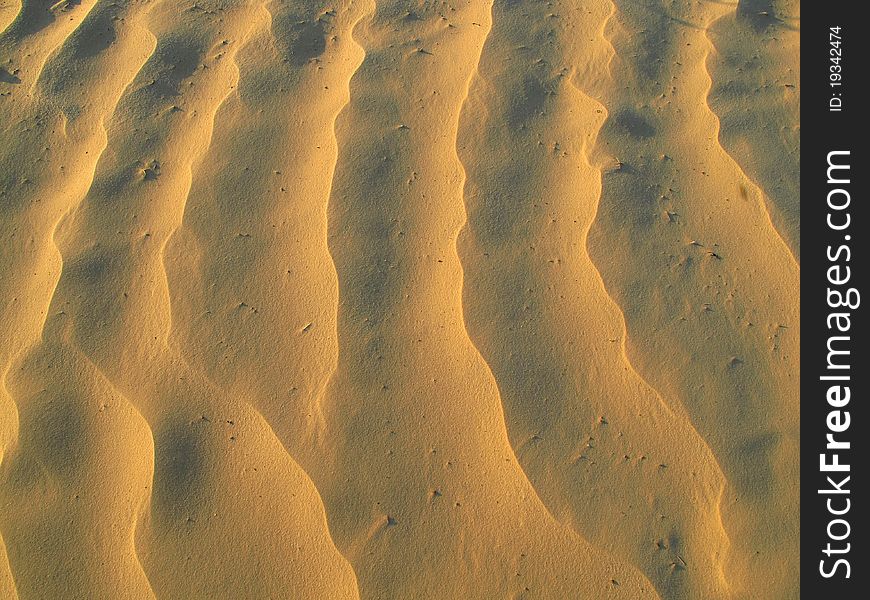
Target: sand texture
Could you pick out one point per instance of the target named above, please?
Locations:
(380, 299)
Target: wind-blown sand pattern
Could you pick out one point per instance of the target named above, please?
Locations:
(382, 299)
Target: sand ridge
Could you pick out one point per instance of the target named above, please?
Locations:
(598, 443)
(727, 303)
(755, 69)
(381, 299)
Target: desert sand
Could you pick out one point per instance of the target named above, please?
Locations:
(402, 300)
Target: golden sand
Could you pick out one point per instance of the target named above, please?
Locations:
(401, 300)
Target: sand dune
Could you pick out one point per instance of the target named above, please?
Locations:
(382, 299)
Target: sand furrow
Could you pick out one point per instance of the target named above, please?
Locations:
(598, 444)
(40, 29)
(297, 70)
(424, 471)
(60, 127)
(786, 228)
(755, 72)
(50, 124)
(686, 249)
(195, 511)
(266, 332)
(209, 447)
(463, 108)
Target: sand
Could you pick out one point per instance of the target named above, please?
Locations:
(379, 299)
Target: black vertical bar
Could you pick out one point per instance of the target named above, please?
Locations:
(833, 273)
